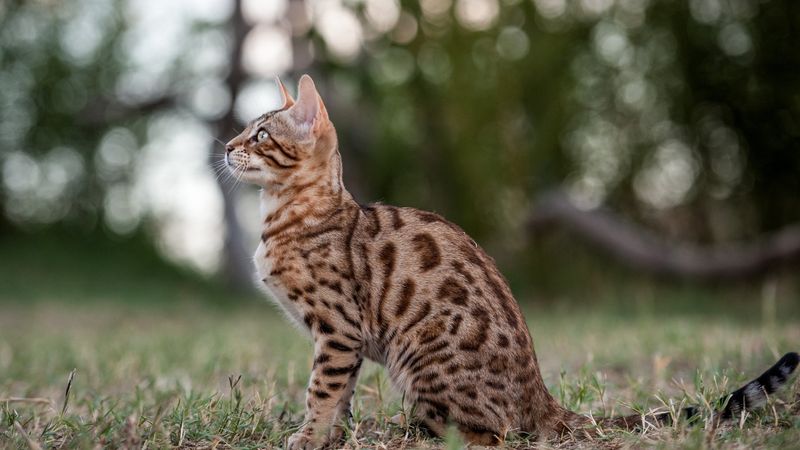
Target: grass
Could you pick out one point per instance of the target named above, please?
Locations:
(203, 377)
(162, 359)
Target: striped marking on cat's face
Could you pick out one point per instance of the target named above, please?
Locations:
(263, 153)
(287, 147)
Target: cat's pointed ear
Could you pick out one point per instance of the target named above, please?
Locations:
(323, 112)
(288, 101)
(305, 110)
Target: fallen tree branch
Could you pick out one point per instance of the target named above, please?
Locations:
(643, 251)
(102, 112)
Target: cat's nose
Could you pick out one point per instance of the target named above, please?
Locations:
(228, 148)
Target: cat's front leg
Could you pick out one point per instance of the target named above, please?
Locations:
(337, 361)
(343, 414)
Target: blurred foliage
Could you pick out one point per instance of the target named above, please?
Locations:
(684, 116)
(72, 267)
(83, 86)
(47, 81)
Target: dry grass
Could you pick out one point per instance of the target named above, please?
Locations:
(198, 377)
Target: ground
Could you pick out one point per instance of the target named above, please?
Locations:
(208, 376)
(164, 359)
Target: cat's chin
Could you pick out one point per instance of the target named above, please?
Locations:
(256, 177)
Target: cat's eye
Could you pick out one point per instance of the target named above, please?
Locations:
(262, 135)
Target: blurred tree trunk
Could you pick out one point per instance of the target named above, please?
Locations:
(236, 266)
(642, 251)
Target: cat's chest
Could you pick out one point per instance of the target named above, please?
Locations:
(272, 279)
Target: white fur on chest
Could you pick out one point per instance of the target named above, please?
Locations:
(274, 288)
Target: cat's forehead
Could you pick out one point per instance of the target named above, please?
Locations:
(265, 118)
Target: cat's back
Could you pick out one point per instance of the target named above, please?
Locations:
(405, 249)
(425, 237)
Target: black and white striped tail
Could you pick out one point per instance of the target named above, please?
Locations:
(752, 395)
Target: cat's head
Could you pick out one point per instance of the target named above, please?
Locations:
(292, 146)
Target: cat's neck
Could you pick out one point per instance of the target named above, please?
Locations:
(285, 208)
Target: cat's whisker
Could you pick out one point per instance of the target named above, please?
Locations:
(231, 178)
(240, 174)
(219, 176)
(226, 174)
(219, 167)
(235, 176)
(234, 186)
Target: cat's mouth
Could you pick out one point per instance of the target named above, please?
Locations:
(237, 164)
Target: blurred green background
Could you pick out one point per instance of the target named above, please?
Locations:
(640, 154)
(632, 165)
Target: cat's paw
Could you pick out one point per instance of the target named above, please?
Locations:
(301, 441)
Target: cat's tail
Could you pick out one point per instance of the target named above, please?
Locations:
(752, 395)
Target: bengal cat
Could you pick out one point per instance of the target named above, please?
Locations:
(402, 287)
